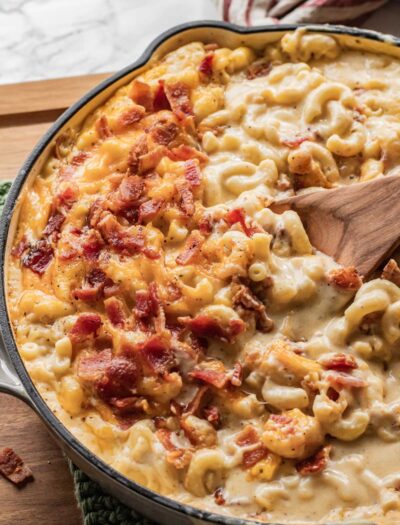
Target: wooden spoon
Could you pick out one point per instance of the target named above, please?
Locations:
(357, 225)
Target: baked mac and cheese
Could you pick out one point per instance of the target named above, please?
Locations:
(183, 331)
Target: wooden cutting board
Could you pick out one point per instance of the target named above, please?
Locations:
(26, 112)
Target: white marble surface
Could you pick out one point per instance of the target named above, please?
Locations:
(53, 38)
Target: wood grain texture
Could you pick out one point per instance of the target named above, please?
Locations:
(26, 112)
(357, 225)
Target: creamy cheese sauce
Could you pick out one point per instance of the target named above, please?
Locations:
(304, 115)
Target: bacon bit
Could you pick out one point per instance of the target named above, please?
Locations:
(332, 394)
(205, 326)
(341, 379)
(209, 376)
(296, 141)
(252, 457)
(120, 377)
(147, 303)
(219, 496)
(149, 210)
(150, 160)
(79, 158)
(248, 436)
(165, 129)
(205, 226)
(184, 152)
(92, 245)
(314, 464)
(127, 406)
(19, 248)
(173, 291)
(260, 69)
(92, 292)
(53, 225)
(178, 457)
(86, 325)
(13, 468)
(130, 191)
(140, 92)
(122, 240)
(237, 374)
(192, 173)
(102, 128)
(156, 354)
(391, 272)
(131, 116)
(160, 99)
(66, 198)
(346, 279)
(92, 367)
(178, 95)
(194, 405)
(38, 257)
(138, 149)
(205, 66)
(244, 299)
(340, 362)
(115, 311)
(213, 416)
(238, 216)
(192, 249)
(186, 200)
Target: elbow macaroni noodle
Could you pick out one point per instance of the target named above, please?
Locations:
(294, 360)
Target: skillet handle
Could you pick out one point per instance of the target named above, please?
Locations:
(9, 380)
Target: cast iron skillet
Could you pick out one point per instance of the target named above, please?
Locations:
(14, 378)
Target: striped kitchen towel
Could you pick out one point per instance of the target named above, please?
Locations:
(259, 12)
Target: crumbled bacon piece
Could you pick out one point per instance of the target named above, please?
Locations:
(237, 374)
(391, 272)
(178, 457)
(252, 457)
(119, 379)
(147, 304)
(156, 354)
(345, 380)
(219, 496)
(20, 247)
(206, 64)
(129, 192)
(346, 279)
(160, 101)
(13, 468)
(186, 200)
(92, 245)
(258, 69)
(149, 161)
(53, 225)
(178, 95)
(210, 376)
(115, 311)
(205, 326)
(79, 158)
(248, 436)
(67, 197)
(314, 464)
(149, 210)
(131, 116)
(165, 128)
(86, 325)
(139, 149)
(238, 216)
(295, 142)
(341, 362)
(95, 282)
(192, 248)
(205, 225)
(184, 152)
(197, 400)
(102, 128)
(91, 367)
(140, 92)
(244, 299)
(192, 173)
(38, 257)
(211, 413)
(121, 239)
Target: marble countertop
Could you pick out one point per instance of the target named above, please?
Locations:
(55, 38)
